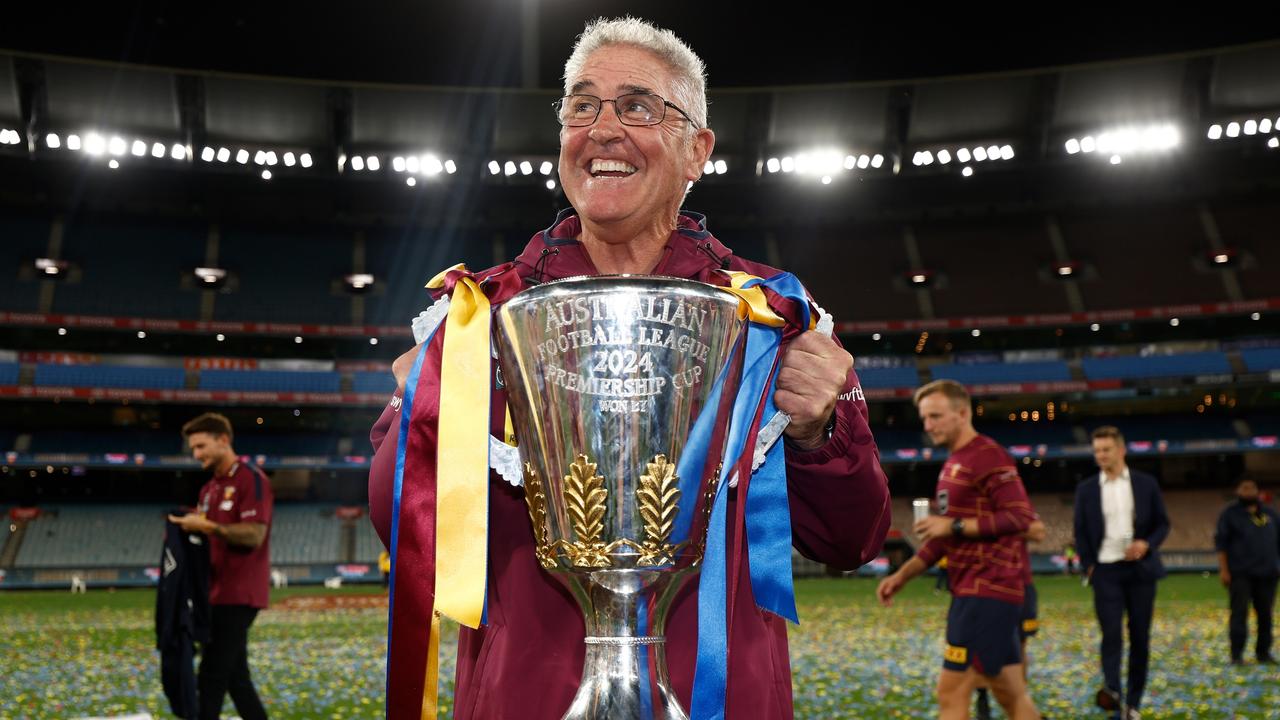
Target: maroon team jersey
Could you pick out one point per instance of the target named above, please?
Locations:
(980, 481)
(238, 575)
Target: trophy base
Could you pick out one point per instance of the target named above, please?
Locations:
(625, 678)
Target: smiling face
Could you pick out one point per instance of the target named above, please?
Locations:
(210, 450)
(615, 174)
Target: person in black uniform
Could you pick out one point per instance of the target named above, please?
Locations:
(1248, 544)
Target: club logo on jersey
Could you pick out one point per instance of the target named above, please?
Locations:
(943, 497)
(228, 492)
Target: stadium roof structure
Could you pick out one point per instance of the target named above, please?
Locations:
(416, 95)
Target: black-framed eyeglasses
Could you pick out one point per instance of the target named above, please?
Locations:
(638, 109)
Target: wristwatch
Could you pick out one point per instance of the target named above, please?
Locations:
(957, 527)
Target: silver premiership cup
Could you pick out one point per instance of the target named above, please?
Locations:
(606, 378)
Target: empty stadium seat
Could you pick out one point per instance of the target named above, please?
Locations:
(1133, 367)
(111, 376)
(271, 381)
(992, 373)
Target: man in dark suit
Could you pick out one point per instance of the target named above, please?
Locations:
(1120, 522)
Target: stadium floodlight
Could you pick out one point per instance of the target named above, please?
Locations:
(967, 171)
(1215, 131)
(993, 152)
(551, 184)
(358, 282)
(963, 155)
(1264, 125)
(450, 167)
(373, 341)
(305, 160)
(266, 174)
(289, 159)
(412, 164)
(1006, 152)
(494, 167)
(431, 165)
(546, 167)
(117, 146)
(1274, 143)
(877, 160)
(509, 168)
(864, 161)
(73, 142)
(722, 167)
(1073, 146)
(826, 179)
(157, 150)
(1250, 127)
(142, 334)
(210, 276)
(139, 148)
(850, 162)
(220, 337)
(819, 162)
(372, 161)
(526, 167)
(411, 181)
(207, 154)
(1095, 327)
(397, 163)
(944, 157)
(1116, 160)
(708, 168)
(52, 268)
(114, 164)
(976, 332)
(788, 164)
(95, 144)
(357, 163)
(271, 158)
(772, 165)
(1233, 129)
(223, 155)
(979, 154)
(242, 156)
(1088, 144)
(51, 140)
(297, 339)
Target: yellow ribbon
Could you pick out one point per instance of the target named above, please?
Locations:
(462, 457)
(430, 698)
(753, 304)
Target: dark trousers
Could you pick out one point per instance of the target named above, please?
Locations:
(224, 664)
(1118, 589)
(1261, 593)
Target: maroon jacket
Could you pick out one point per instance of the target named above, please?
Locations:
(527, 661)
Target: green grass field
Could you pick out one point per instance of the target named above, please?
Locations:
(70, 656)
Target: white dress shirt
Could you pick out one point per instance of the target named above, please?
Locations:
(1117, 510)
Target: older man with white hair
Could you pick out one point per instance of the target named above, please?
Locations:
(633, 136)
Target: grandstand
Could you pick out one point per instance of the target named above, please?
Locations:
(1068, 289)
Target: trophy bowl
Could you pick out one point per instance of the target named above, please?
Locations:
(619, 389)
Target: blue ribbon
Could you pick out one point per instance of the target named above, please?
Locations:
(711, 670)
(642, 630)
(693, 460)
(768, 515)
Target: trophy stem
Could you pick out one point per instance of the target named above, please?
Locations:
(624, 672)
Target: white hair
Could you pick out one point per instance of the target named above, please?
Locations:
(690, 83)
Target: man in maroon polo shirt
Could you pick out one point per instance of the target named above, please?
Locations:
(985, 513)
(235, 512)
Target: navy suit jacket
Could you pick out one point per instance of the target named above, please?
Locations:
(1150, 522)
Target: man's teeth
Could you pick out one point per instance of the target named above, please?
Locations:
(599, 166)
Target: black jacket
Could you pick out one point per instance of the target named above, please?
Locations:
(1150, 521)
(182, 614)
